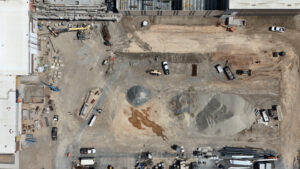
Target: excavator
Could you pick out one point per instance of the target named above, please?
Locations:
(228, 28)
(80, 31)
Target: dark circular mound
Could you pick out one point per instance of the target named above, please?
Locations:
(138, 95)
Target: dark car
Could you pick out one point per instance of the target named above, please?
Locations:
(276, 54)
(165, 67)
(54, 133)
(228, 73)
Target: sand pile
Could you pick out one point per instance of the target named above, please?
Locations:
(215, 114)
(138, 95)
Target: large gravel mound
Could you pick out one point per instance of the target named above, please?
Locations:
(225, 114)
(214, 114)
(138, 95)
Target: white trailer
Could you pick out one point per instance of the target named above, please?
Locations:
(241, 162)
(91, 122)
(87, 161)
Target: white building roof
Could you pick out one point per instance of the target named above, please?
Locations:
(8, 114)
(264, 4)
(14, 40)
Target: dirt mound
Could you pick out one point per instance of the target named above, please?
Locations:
(225, 114)
(138, 95)
(141, 118)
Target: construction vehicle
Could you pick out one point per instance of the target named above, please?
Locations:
(154, 72)
(51, 86)
(80, 31)
(228, 28)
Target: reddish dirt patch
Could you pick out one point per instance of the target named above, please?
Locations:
(141, 118)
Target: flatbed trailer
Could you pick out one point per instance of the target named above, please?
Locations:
(89, 103)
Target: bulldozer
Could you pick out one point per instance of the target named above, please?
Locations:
(154, 72)
(228, 28)
(80, 31)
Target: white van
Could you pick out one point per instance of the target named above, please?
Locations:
(264, 115)
(91, 122)
(87, 161)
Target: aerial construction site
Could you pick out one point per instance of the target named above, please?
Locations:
(162, 84)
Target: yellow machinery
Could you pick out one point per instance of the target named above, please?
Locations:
(80, 31)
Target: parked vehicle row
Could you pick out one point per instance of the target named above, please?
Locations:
(165, 68)
(226, 71)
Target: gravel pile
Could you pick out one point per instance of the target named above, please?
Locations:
(138, 95)
(214, 114)
(225, 114)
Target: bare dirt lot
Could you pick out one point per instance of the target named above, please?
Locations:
(206, 109)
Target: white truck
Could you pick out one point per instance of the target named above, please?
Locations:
(87, 151)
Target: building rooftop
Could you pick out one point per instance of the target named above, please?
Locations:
(264, 4)
(8, 114)
(14, 40)
(14, 60)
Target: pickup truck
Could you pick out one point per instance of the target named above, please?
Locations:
(228, 73)
(87, 151)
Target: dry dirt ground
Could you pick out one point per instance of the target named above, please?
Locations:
(123, 130)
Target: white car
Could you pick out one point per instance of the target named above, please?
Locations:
(165, 67)
(276, 29)
(219, 68)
